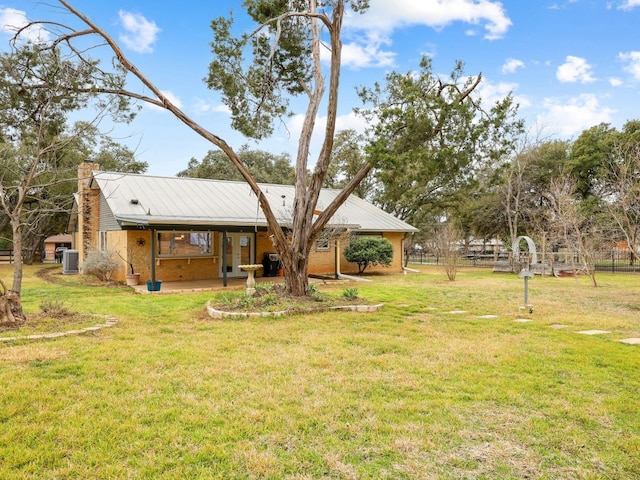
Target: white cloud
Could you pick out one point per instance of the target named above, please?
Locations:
(629, 4)
(575, 69)
(11, 20)
(351, 121)
(511, 65)
(632, 60)
(203, 106)
(369, 54)
(343, 122)
(615, 82)
(574, 116)
(140, 34)
(388, 15)
(170, 96)
(492, 93)
(365, 50)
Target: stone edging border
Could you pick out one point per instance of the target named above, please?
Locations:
(219, 314)
(109, 322)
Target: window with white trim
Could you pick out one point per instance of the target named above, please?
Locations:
(322, 244)
(102, 241)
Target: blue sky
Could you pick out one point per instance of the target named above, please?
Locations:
(570, 64)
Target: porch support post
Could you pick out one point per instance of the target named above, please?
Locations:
(337, 258)
(224, 258)
(153, 256)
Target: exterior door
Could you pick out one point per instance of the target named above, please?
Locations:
(238, 251)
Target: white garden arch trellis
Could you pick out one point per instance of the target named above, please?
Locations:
(515, 248)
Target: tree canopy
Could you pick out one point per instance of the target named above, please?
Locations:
(264, 166)
(431, 138)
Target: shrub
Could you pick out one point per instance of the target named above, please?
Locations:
(369, 252)
(100, 264)
(270, 299)
(264, 288)
(350, 293)
(54, 308)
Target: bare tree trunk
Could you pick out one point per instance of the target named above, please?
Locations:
(10, 306)
(18, 261)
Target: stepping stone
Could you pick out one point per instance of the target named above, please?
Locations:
(523, 320)
(456, 312)
(593, 332)
(487, 316)
(50, 335)
(631, 341)
(558, 326)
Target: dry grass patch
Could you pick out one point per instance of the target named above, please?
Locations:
(32, 353)
(407, 392)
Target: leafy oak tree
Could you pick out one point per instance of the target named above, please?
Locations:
(264, 166)
(431, 137)
(257, 73)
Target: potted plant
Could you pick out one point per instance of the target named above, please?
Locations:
(132, 277)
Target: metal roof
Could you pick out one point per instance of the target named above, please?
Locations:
(154, 201)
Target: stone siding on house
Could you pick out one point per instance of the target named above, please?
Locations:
(85, 238)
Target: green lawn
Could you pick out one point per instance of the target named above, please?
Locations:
(410, 392)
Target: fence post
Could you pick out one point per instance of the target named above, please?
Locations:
(613, 261)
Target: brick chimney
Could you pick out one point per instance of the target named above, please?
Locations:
(88, 211)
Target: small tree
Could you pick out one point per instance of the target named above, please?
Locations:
(369, 252)
(574, 224)
(446, 242)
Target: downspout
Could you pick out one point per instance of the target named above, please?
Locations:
(223, 251)
(342, 276)
(336, 260)
(406, 269)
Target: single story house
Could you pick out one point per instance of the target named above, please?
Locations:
(178, 228)
(54, 245)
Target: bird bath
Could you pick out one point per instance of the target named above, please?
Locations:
(251, 281)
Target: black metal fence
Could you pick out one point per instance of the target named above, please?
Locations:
(616, 261)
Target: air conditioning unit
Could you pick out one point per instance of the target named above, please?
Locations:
(70, 262)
